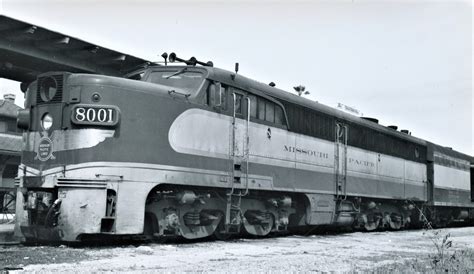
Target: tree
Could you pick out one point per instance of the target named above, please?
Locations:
(301, 90)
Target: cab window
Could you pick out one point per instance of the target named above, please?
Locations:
(216, 96)
(183, 78)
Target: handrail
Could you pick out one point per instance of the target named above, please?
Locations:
(172, 91)
(233, 143)
(247, 150)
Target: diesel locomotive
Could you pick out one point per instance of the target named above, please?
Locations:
(195, 151)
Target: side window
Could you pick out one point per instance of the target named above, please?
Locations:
(238, 103)
(216, 96)
(279, 117)
(269, 112)
(261, 109)
(223, 96)
(253, 106)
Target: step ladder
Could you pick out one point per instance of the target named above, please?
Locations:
(233, 216)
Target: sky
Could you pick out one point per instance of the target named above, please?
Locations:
(406, 63)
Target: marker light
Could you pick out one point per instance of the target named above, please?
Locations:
(46, 121)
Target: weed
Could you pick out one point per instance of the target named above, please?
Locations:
(446, 258)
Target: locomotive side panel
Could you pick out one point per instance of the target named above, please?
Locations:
(296, 162)
(452, 186)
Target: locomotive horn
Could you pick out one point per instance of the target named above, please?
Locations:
(196, 61)
(173, 58)
(165, 56)
(191, 62)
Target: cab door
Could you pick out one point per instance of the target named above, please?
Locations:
(239, 147)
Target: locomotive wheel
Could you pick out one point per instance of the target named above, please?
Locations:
(258, 227)
(220, 234)
(7, 210)
(370, 222)
(200, 231)
(394, 221)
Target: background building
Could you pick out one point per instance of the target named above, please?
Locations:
(10, 148)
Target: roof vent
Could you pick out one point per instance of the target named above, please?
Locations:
(373, 120)
(406, 131)
(393, 127)
(9, 97)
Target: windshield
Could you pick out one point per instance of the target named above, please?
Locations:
(180, 78)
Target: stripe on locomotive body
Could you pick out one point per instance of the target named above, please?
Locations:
(451, 178)
(206, 133)
(452, 181)
(143, 173)
(67, 139)
(451, 162)
(146, 175)
(452, 197)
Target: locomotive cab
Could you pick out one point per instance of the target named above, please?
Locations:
(85, 120)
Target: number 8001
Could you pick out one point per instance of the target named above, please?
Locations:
(94, 115)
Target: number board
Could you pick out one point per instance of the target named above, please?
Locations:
(100, 115)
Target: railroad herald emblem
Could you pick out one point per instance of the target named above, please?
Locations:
(44, 151)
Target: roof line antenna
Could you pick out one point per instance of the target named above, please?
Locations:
(236, 71)
(165, 56)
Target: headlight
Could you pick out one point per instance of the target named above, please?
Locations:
(46, 121)
(48, 88)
